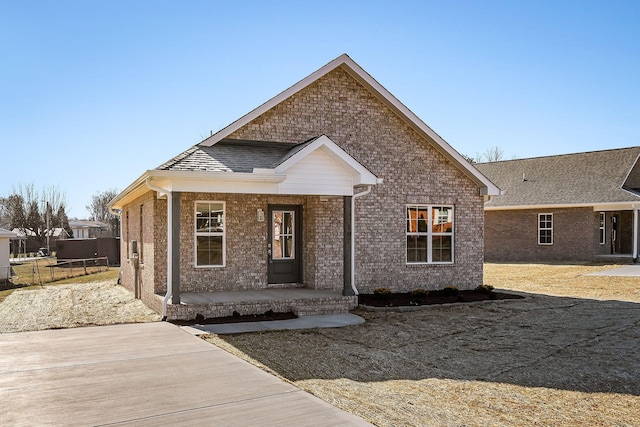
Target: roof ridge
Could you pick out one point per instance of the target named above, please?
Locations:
(560, 155)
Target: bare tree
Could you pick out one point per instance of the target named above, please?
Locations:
(493, 154)
(99, 209)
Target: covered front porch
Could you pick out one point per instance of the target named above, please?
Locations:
(300, 301)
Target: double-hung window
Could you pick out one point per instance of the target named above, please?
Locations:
(545, 229)
(210, 234)
(429, 234)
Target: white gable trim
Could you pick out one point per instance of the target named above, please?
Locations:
(358, 73)
(360, 173)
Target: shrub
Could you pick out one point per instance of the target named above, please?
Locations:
(419, 293)
(269, 313)
(382, 292)
(451, 291)
(485, 289)
(235, 314)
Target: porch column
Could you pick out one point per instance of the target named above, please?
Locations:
(175, 246)
(347, 289)
(635, 234)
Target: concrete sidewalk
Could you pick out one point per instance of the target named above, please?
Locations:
(302, 322)
(624, 271)
(144, 374)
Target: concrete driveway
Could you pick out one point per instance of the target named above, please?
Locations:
(144, 374)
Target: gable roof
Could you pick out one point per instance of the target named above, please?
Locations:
(581, 179)
(360, 75)
(230, 156)
(315, 167)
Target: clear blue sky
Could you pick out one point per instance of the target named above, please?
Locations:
(93, 93)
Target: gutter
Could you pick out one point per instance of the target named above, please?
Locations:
(169, 294)
(353, 238)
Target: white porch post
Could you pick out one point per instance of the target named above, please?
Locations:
(635, 234)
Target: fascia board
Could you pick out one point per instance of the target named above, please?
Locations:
(185, 180)
(135, 189)
(596, 206)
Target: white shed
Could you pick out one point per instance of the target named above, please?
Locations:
(5, 267)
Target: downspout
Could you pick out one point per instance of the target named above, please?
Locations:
(353, 238)
(169, 244)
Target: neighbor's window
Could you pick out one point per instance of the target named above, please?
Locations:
(429, 234)
(545, 229)
(603, 235)
(210, 234)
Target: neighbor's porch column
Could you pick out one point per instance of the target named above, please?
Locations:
(347, 289)
(635, 234)
(175, 247)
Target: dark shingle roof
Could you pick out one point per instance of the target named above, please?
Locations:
(582, 178)
(231, 156)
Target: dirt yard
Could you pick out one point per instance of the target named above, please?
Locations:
(567, 355)
(69, 306)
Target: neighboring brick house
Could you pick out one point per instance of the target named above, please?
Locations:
(573, 207)
(332, 187)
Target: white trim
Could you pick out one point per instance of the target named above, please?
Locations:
(635, 234)
(429, 233)
(613, 206)
(217, 233)
(362, 174)
(358, 73)
(541, 229)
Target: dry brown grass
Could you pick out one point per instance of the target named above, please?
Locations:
(563, 280)
(565, 358)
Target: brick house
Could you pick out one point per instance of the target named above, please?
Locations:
(573, 207)
(331, 188)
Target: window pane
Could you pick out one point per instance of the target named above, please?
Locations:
(416, 248)
(441, 249)
(283, 235)
(209, 250)
(209, 217)
(287, 223)
(417, 219)
(288, 246)
(442, 219)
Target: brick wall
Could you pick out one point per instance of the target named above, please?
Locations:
(246, 243)
(413, 172)
(145, 232)
(513, 235)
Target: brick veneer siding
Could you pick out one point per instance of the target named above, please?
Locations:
(512, 235)
(413, 172)
(151, 227)
(246, 243)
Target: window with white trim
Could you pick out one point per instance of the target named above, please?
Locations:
(429, 234)
(210, 234)
(545, 229)
(603, 228)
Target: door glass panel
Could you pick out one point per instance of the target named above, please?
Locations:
(283, 235)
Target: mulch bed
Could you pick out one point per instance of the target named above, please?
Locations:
(400, 299)
(267, 316)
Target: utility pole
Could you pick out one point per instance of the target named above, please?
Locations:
(48, 231)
